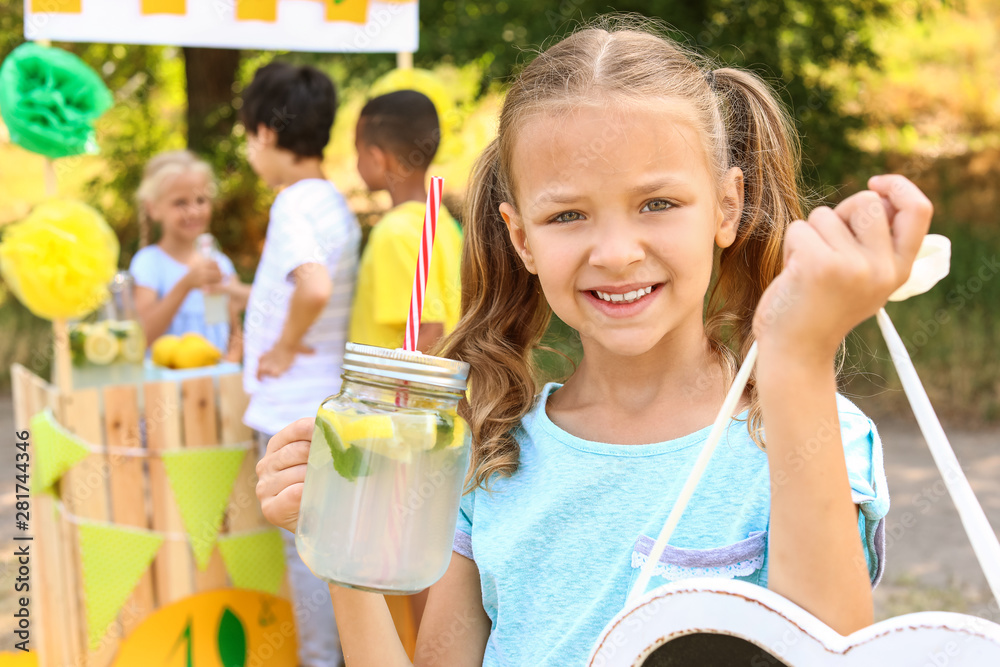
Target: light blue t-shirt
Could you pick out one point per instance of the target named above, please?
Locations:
(155, 269)
(560, 543)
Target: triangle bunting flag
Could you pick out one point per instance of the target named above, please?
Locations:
(113, 558)
(56, 449)
(202, 480)
(255, 560)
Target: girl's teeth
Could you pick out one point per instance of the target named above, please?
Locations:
(628, 297)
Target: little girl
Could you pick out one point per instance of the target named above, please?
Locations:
(651, 203)
(172, 277)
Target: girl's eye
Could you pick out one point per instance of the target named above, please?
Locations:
(567, 216)
(657, 205)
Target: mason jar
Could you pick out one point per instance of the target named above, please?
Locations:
(386, 472)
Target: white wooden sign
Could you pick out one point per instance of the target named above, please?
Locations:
(292, 25)
(724, 622)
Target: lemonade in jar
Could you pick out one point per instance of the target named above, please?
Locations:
(386, 472)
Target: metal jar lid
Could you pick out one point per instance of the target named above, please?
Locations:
(406, 366)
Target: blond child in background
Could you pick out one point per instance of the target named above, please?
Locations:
(171, 276)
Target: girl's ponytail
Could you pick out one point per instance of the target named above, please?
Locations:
(503, 318)
(761, 141)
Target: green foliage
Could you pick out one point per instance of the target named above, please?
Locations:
(951, 333)
(789, 42)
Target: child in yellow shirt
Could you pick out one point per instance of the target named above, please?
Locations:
(397, 137)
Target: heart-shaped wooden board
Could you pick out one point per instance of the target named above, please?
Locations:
(724, 623)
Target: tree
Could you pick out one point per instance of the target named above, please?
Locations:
(210, 74)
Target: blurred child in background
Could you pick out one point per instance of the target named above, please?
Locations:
(171, 276)
(300, 302)
(397, 137)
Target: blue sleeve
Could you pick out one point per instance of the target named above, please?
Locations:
(866, 473)
(463, 531)
(145, 270)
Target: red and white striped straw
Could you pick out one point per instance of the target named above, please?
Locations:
(423, 263)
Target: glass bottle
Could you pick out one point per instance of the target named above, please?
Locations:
(216, 305)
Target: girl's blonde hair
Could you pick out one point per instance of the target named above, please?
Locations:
(504, 313)
(159, 170)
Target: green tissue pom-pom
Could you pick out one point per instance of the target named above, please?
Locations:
(49, 100)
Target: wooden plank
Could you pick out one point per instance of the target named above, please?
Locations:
(21, 388)
(83, 495)
(201, 430)
(232, 404)
(243, 512)
(173, 568)
(47, 547)
(85, 486)
(42, 609)
(128, 493)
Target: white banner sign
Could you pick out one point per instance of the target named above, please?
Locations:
(281, 25)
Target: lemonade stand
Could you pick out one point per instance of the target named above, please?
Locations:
(148, 544)
(143, 520)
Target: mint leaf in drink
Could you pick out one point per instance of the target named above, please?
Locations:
(349, 462)
(445, 431)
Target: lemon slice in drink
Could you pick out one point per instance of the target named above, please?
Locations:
(363, 428)
(133, 342)
(418, 432)
(458, 437)
(377, 434)
(100, 346)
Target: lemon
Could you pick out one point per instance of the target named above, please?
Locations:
(163, 350)
(194, 351)
(100, 346)
(374, 433)
(458, 439)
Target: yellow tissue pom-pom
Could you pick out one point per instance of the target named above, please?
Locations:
(59, 260)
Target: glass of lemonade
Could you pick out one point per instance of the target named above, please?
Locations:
(386, 472)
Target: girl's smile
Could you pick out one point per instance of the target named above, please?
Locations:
(623, 301)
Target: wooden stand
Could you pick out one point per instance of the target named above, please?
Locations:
(131, 491)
